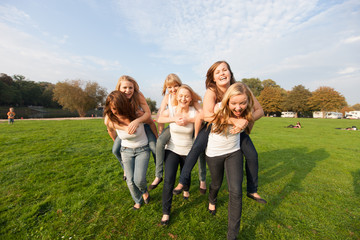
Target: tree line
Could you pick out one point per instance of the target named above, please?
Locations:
(16, 91)
(80, 96)
(300, 100)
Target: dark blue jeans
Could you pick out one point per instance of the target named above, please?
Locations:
(172, 161)
(234, 176)
(247, 147)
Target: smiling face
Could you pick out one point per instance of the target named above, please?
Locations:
(127, 87)
(172, 89)
(184, 97)
(238, 104)
(222, 75)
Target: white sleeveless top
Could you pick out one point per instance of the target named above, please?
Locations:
(135, 140)
(219, 144)
(170, 106)
(181, 137)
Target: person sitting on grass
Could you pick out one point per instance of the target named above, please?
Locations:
(298, 125)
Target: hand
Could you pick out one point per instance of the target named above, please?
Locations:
(239, 125)
(139, 113)
(133, 126)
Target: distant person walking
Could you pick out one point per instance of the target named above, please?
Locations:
(11, 115)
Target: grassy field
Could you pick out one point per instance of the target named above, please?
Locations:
(59, 180)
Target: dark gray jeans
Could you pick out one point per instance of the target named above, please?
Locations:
(232, 163)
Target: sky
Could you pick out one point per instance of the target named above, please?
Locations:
(312, 43)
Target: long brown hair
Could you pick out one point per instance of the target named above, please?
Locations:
(220, 122)
(210, 83)
(135, 98)
(120, 102)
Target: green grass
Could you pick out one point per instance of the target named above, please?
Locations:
(59, 180)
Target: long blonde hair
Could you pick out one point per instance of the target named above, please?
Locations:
(220, 122)
(135, 98)
(171, 79)
(194, 96)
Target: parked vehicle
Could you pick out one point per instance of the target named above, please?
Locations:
(333, 115)
(352, 115)
(288, 114)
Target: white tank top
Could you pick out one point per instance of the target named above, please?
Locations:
(170, 106)
(181, 137)
(135, 140)
(219, 144)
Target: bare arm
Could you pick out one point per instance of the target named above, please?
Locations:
(163, 105)
(165, 117)
(209, 105)
(110, 128)
(147, 114)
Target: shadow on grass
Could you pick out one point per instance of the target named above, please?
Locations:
(294, 162)
(356, 177)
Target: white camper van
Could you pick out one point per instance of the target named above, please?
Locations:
(333, 115)
(288, 114)
(352, 115)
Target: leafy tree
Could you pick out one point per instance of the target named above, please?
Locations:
(326, 99)
(297, 100)
(356, 107)
(269, 83)
(346, 109)
(6, 79)
(271, 99)
(30, 92)
(19, 77)
(254, 84)
(9, 93)
(152, 104)
(80, 96)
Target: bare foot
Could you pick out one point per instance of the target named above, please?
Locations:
(179, 186)
(156, 181)
(256, 195)
(203, 184)
(211, 207)
(186, 195)
(137, 206)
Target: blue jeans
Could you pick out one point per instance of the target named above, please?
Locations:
(160, 151)
(232, 163)
(116, 150)
(136, 161)
(152, 145)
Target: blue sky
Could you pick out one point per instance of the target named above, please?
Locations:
(313, 43)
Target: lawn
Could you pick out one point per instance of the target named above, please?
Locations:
(59, 180)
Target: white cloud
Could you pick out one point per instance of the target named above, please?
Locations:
(348, 70)
(352, 39)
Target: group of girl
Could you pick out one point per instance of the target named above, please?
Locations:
(220, 129)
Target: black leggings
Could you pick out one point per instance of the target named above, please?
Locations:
(246, 146)
(172, 161)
